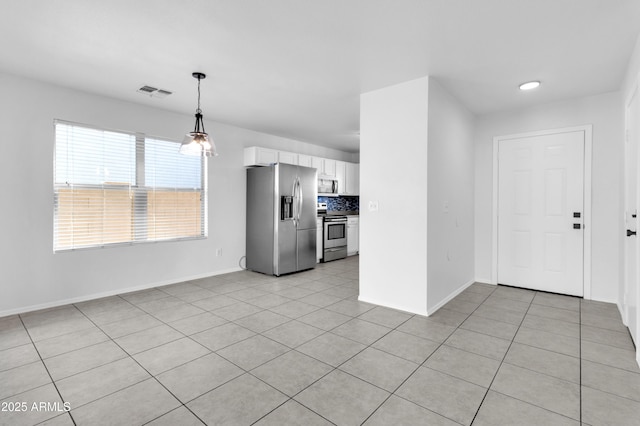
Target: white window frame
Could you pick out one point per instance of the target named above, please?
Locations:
(139, 189)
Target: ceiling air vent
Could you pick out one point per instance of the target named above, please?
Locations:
(148, 90)
(161, 93)
(152, 91)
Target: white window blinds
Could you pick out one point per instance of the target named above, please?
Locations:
(116, 187)
(174, 190)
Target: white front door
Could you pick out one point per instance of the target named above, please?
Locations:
(630, 295)
(541, 212)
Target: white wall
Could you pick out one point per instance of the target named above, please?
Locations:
(450, 168)
(393, 173)
(633, 69)
(606, 114)
(31, 275)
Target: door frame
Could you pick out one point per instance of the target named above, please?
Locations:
(623, 305)
(587, 129)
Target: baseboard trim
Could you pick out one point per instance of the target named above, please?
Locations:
(453, 294)
(623, 314)
(392, 306)
(485, 281)
(86, 298)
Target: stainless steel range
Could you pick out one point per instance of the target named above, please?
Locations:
(334, 232)
(334, 241)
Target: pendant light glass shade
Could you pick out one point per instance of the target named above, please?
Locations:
(198, 142)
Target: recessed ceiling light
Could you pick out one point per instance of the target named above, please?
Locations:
(529, 85)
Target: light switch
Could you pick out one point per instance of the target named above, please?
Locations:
(445, 207)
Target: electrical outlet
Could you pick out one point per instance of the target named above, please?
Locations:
(219, 252)
(373, 206)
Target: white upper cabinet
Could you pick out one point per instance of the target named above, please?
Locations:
(329, 168)
(287, 157)
(353, 179)
(326, 167)
(347, 174)
(304, 160)
(256, 156)
(318, 163)
(341, 176)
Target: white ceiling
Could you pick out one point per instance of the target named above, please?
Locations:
(295, 68)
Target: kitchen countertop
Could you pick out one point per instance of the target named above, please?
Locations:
(337, 213)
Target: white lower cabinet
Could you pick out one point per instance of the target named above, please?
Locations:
(319, 239)
(353, 235)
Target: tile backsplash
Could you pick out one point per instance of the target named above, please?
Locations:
(341, 204)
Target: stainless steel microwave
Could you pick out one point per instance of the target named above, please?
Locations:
(327, 186)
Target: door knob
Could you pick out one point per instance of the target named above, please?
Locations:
(630, 232)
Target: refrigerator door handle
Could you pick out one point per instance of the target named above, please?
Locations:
(300, 200)
(293, 205)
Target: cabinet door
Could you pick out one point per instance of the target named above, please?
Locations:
(288, 158)
(341, 175)
(353, 235)
(353, 179)
(319, 240)
(351, 240)
(304, 160)
(265, 156)
(356, 244)
(329, 168)
(256, 156)
(318, 163)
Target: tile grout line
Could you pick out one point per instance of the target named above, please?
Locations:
(502, 361)
(323, 362)
(53, 382)
(245, 371)
(440, 344)
(291, 398)
(525, 368)
(187, 336)
(580, 358)
(333, 368)
(367, 346)
(347, 360)
(147, 371)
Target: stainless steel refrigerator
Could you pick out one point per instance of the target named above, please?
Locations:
(281, 218)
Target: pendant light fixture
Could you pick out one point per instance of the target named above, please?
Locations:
(198, 142)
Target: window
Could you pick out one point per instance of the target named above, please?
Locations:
(115, 187)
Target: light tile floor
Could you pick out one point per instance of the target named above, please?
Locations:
(245, 348)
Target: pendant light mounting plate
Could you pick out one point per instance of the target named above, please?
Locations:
(199, 75)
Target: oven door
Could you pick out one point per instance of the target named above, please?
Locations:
(335, 234)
